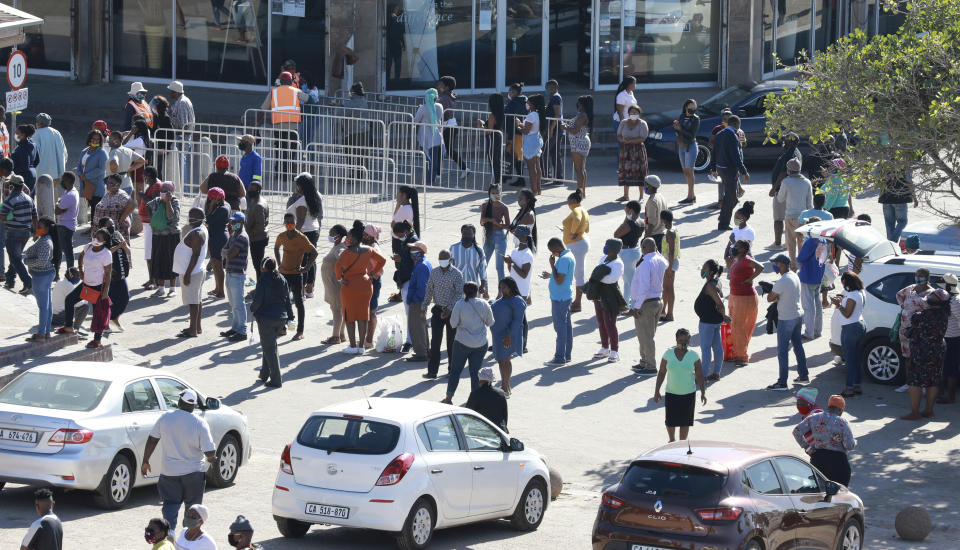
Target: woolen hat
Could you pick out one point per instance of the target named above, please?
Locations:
(793, 165)
(201, 511)
(809, 395)
(486, 373)
(913, 241)
(222, 163)
(241, 524)
(652, 181)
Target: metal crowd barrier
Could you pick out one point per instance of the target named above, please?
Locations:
(556, 164)
(414, 100)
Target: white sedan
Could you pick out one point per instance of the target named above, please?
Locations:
(408, 467)
(84, 425)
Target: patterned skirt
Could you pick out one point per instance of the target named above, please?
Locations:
(633, 164)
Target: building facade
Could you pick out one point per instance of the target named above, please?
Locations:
(404, 45)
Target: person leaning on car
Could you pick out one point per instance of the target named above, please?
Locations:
(187, 441)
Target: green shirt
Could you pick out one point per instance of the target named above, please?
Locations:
(681, 375)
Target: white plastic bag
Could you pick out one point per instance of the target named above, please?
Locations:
(390, 335)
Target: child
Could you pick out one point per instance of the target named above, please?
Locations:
(807, 405)
(671, 251)
(742, 232)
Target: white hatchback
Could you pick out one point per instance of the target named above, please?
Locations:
(408, 467)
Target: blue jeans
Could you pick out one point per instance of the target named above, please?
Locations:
(687, 154)
(16, 240)
(564, 327)
(62, 247)
(789, 332)
(461, 355)
(812, 309)
(711, 349)
(3, 246)
(238, 309)
(850, 337)
(43, 291)
(176, 490)
(895, 218)
(496, 239)
(630, 257)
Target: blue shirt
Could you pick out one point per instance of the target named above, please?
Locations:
(251, 169)
(814, 212)
(471, 262)
(417, 285)
(811, 270)
(564, 265)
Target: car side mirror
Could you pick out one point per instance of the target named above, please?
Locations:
(832, 488)
(516, 444)
(742, 113)
(212, 403)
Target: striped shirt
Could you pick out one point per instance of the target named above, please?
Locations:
(181, 112)
(471, 262)
(237, 264)
(18, 211)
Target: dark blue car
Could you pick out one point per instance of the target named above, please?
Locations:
(746, 101)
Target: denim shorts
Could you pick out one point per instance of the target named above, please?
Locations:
(687, 154)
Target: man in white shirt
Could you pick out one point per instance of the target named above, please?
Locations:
(123, 161)
(646, 291)
(786, 293)
(186, 444)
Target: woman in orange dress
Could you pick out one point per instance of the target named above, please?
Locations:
(353, 269)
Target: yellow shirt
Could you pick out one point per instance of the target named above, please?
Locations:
(577, 223)
(164, 544)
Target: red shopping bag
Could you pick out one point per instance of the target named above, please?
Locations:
(101, 316)
(726, 339)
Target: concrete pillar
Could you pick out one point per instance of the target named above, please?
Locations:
(744, 48)
(90, 40)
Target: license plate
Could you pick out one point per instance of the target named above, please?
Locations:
(645, 547)
(18, 435)
(338, 512)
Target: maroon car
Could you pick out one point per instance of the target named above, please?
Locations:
(725, 496)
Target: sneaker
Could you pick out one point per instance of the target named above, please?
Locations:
(349, 350)
(801, 380)
(902, 388)
(555, 362)
(777, 386)
(602, 352)
(228, 333)
(308, 295)
(159, 293)
(237, 337)
(405, 348)
(26, 291)
(614, 357)
(172, 292)
(643, 370)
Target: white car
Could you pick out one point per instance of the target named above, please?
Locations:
(84, 425)
(884, 271)
(408, 467)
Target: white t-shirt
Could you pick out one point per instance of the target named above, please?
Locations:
(616, 270)
(69, 201)
(856, 297)
(520, 258)
(124, 156)
(184, 438)
(533, 118)
(745, 234)
(93, 264)
(137, 145)
(60, 292)
(309, 222)
(788, 288)
(626, 99)
(203, 542)
(404, 213)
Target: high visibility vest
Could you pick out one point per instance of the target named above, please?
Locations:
(4, 140)
(285, 105)
(143, 109)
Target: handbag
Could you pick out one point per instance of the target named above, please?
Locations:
(89, 294)
(895, 329)
(88, 189)
(158, 220)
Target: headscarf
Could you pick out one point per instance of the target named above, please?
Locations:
(429, 99)
(373, 231)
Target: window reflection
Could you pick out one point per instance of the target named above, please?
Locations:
(671, 41)
(142, 38)
(524, 41)
(608, 62)
(302, 40)
(220, 40)
(46, 46)
(793, 30)
(427, 39)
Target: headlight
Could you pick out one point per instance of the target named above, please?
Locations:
(656, 135)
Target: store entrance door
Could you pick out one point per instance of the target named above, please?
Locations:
(570, 41)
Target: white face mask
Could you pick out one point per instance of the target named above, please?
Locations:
(633, 116)
(331, 238)
(444, 263)
(95, 243)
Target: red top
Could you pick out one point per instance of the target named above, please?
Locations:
(740, 273)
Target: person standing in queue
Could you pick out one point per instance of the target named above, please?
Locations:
(157, 533)
(371, 238)
(709, 308)
(509, 311)
(298, 255)
(681, 368)
(188, 264)
(46, 532)
(235, 264)
(654, 227)
(353, 269)
(331, 288)
(576, 226)
(786, 293)
(646, 295)
(603, 290)
(444, 289)
(414, 291)
(728, 163)
(561, 274)
(832, 439)
(470, 319)
(495, 220)
(270, 307)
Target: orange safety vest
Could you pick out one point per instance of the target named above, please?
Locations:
(143, 109)
(4, 140)
(285, 105)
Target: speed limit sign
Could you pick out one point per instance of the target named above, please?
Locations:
(16, 69)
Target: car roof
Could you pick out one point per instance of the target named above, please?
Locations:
(112, 372)
(391, 408)
(720, 456)
(935, 262)
(774, 84)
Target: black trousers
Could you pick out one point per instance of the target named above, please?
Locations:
(453, 148)
(119, 297)
(62, 246)
(728, 177)
(256, 254)
(833, 464)
(437, 327)
(295, 282)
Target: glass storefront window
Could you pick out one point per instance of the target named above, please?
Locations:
(524, 56)
(793, 30)
(608, 57)
(142, 38)
(302, 40)
(427, 39)
(828, 22)
(215, 42)
(485, 74)
(671, 41)
(46, 46)
(769, 64)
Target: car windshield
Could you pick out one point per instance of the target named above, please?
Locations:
(668, 479)
(54, 391)
(725, 99)
(348, 435)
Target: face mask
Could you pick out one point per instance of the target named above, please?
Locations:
(633, 116)
(529, 107)
(96, 243)
(605, 253)
(921, 280)
(232, 540)
(739, 221)
(141, 97)
(703, 274)
(332, 239)
(191, 523)
(41, 232)
(466, 241)
(150, 536)
(495, 197)
(403, 238)
(94, 145)
(290, 226)
(416, 256)
(444, 263)
(237, 227)
(691, 111)
(242, 147)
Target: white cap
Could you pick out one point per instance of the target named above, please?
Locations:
(136, 88)
(189, 397)
(486, 373)
(201, 511)
(176, 86)
(652, 181)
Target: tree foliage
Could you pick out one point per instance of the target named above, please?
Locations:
(898, 94)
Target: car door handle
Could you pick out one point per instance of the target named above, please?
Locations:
(477, 468)
(436, 471)
(134, 426)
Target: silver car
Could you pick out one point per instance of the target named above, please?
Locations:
(84, 425)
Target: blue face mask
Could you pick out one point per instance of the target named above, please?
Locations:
(921, 280)
(605, 253)
(141, 97)
(703, 274)
(403, 238)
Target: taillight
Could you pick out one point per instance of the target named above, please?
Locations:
(285, 464)
(395, 471)
(608, 499)
(70, 436)
(719, 514)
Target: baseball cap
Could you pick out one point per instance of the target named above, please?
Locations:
(652, 181)
(215, 193)
(780, 259)
(238, 217)
(189, 397)
(285, 75)
(222, 163)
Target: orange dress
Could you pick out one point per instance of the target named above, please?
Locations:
(355, 268)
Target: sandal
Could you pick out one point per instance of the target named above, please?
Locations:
(330, 341)
(65, 330)
(298, 336)
(623, 199)
(185, 333)
(34, 338)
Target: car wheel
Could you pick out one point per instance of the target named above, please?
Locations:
(114, 489)
(703, 157)
(882, 361)
(418, 529)
(224, 471)
(753, 545)
(533, 503)
(851, 537)
(292, 528)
